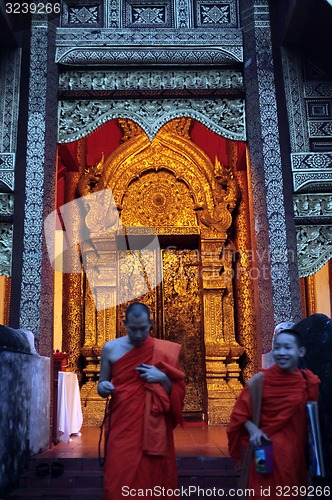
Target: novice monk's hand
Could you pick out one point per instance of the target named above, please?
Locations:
(105, 388)
(256, 435)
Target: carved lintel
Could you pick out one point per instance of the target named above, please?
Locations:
(138, 56)
(311, 169)
(225, 116)
(150, 79)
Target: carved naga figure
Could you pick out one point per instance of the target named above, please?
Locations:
(90, 178)
(226, 196)
(101, 213)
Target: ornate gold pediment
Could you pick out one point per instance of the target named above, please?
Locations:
(166, 183)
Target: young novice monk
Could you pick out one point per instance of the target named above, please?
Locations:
(282, 420)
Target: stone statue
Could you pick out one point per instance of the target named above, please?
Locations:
(14, 340)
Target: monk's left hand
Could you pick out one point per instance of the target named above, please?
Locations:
(152, 375)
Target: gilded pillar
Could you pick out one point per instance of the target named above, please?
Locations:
(221, 349)
(217, 249)
(216, 351)
(244, 279)
(73, 276)
(100, 264)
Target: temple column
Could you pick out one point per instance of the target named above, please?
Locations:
(36, 286)
(276, 284)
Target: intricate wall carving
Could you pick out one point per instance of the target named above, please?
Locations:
(9, 98)
(83, 15)
(7, 169)
(6, 205)
(313, 205)
(158, 200)
(313, 216)
(149, 79)
(31, 277)
(309, 116)
(314, 247)
(293, 79)
(316, 89)
(320, 128)
(223, 116)
(211, 13)
(9, 104)
(183, 320)
(150, 13)
(182, 13)
(6, 243)
(311, 169)
(107, 57)
(80, 46)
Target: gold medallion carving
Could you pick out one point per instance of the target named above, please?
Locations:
(158, 200)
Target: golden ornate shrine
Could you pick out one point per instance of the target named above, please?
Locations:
(171, 186)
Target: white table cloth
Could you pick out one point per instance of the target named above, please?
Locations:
(70, 416)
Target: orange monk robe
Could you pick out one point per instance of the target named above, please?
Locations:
(283, 419)
(140, 448)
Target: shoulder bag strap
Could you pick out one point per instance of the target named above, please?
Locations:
(255, 386)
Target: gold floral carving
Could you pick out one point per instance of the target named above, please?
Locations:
(158, 199)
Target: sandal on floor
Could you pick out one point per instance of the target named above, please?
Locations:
(42, 470)
(57, 469)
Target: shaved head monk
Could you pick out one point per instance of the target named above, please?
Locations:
(286, 389)
(142, 376)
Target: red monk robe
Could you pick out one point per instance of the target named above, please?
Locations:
(283, 419)
(140, 448)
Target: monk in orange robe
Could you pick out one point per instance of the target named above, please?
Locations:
(147, 387)
(286, 389)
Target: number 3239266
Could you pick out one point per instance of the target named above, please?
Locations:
(306, 491)
(33, 8)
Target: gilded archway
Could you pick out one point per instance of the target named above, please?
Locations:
(171, 186)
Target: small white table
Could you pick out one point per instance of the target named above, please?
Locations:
(70, 416)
